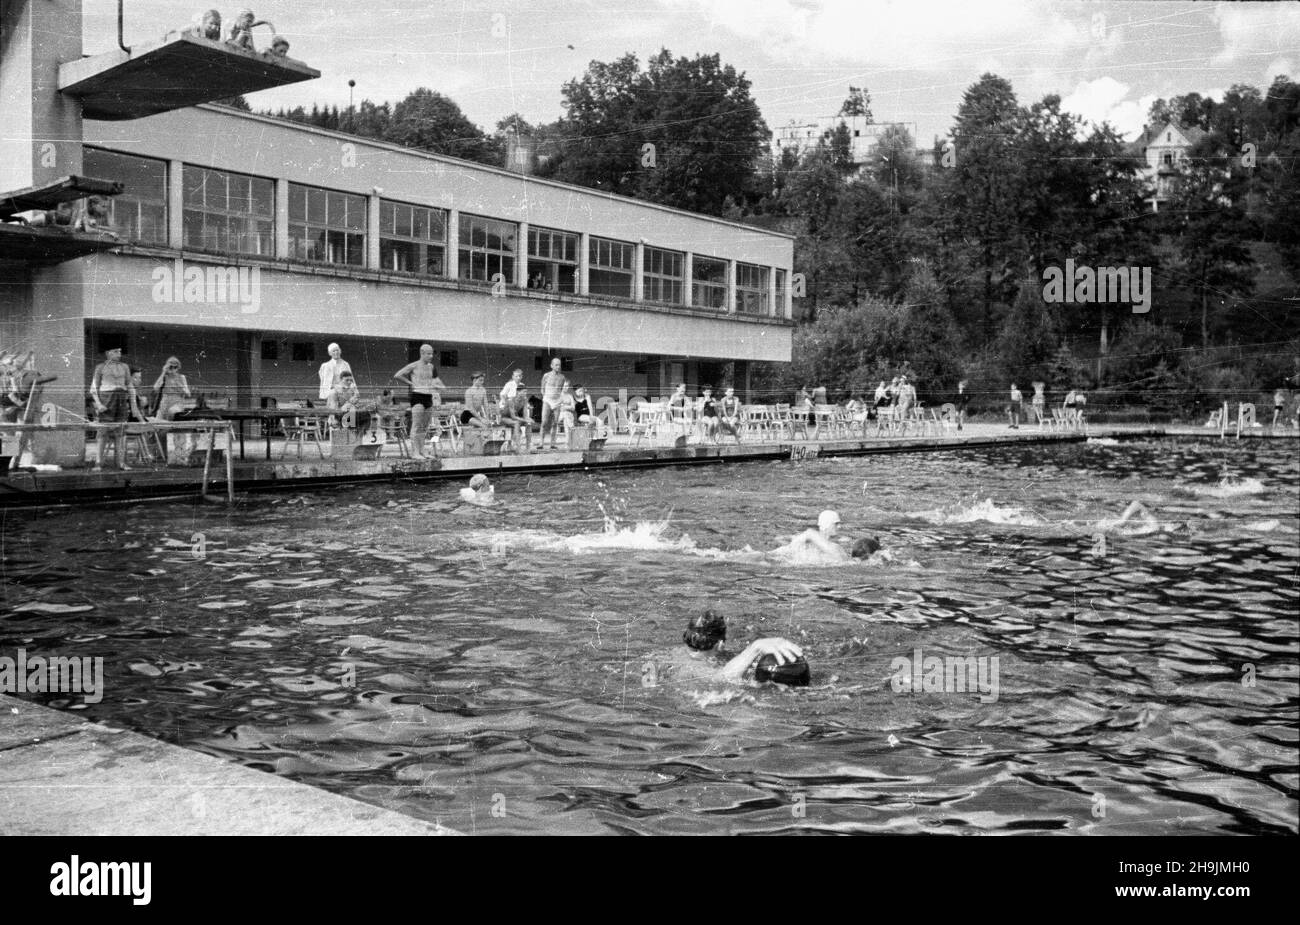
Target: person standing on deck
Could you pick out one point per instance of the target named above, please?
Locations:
(422, 378)
(114, 397)
(552, 388)
(331, 371)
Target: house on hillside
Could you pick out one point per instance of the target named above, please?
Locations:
(1161, 148)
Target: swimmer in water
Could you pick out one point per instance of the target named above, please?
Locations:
(480, 491)
(816, 546)
(1137, 520)
(773, 658)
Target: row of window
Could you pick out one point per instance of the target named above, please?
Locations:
(234, 213)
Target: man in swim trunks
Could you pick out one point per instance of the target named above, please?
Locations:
(730, 407)
(476, 404)
(552, 387)
(961, 401)
(1016, 399)
(422, 378)
(113, 393)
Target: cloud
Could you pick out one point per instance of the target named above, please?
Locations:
(1252, 30)
(1106, 100)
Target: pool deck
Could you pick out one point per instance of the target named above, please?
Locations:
(73, 486)
(63, 775)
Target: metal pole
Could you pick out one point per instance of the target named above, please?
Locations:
(230, 464)
(120, 43)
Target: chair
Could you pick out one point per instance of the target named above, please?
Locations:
(887, 420)
(824, 416)
(756, 420)
(393, 423)
(646, 420)
(788, 420)
(299, 431)
(146, 442)
(445, 422)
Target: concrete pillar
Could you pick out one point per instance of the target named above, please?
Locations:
(584, 264)
(282, 218)
(771, 292)
(175, 204)
(731, 287)
(453, 243)
(372, 232)
(638, 272)
(41, 140)
(688, 272)
(44, 308)
(521, 257)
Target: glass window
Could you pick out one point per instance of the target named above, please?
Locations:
(412, 239)
(227, 212)
(139, 213)
(487, 247)
(751, 289)
(610, 268)
(327, 226)
(709, 283)
(780, 293)
(552, 260)
(663, 273)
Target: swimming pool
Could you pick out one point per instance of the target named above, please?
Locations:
(512, 669)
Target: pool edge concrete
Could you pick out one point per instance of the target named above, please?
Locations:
(61, 774)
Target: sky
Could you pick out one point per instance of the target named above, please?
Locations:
(1107, 60)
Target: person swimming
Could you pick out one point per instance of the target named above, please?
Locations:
(816, 547)
(480, 491)
(773, 658)
(1137, 520)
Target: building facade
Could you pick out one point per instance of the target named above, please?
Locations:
(1160, 149)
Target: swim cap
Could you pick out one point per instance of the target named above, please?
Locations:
(864, 547)
(705, 631)
(827, 519)
(478, 481)
(795, 674)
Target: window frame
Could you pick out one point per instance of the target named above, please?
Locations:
(427, 244)
(467, 249)
(624, 249)
(313, 223)
(698, 286)
(128, 195)
(228, 214)
(758, 294)
(654, 281)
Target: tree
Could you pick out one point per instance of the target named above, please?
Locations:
(684, 132)
(858, 103)
(839, 143)
(431, 122)
(895, 165)
(1212, 229)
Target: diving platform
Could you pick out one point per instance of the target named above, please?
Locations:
(180, 70)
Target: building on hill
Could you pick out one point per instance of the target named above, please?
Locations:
(1160, 149)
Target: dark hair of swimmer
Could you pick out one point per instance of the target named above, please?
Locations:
(705, 631)
(864, 547)
(795, 674)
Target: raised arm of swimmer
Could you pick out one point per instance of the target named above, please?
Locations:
(782, 649)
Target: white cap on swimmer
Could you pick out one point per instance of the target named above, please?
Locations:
(478, 481)
(826, 520)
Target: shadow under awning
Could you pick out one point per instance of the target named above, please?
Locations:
(178, 71)
(51, 245)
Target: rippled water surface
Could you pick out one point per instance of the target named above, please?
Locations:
(519, 668)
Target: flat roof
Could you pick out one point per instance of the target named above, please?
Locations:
(501, 171)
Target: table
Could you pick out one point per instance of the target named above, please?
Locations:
(240, 415)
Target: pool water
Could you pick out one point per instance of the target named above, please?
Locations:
(519, 668)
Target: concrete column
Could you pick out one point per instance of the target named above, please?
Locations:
(176, 204)
(731, 287)
(788, 308)
(372, 232)
(688, 271)
(41, 140)
(282, 218)
(521, 257)
(453, 243)
(771, 292)
(584, 264)
(55, 327)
